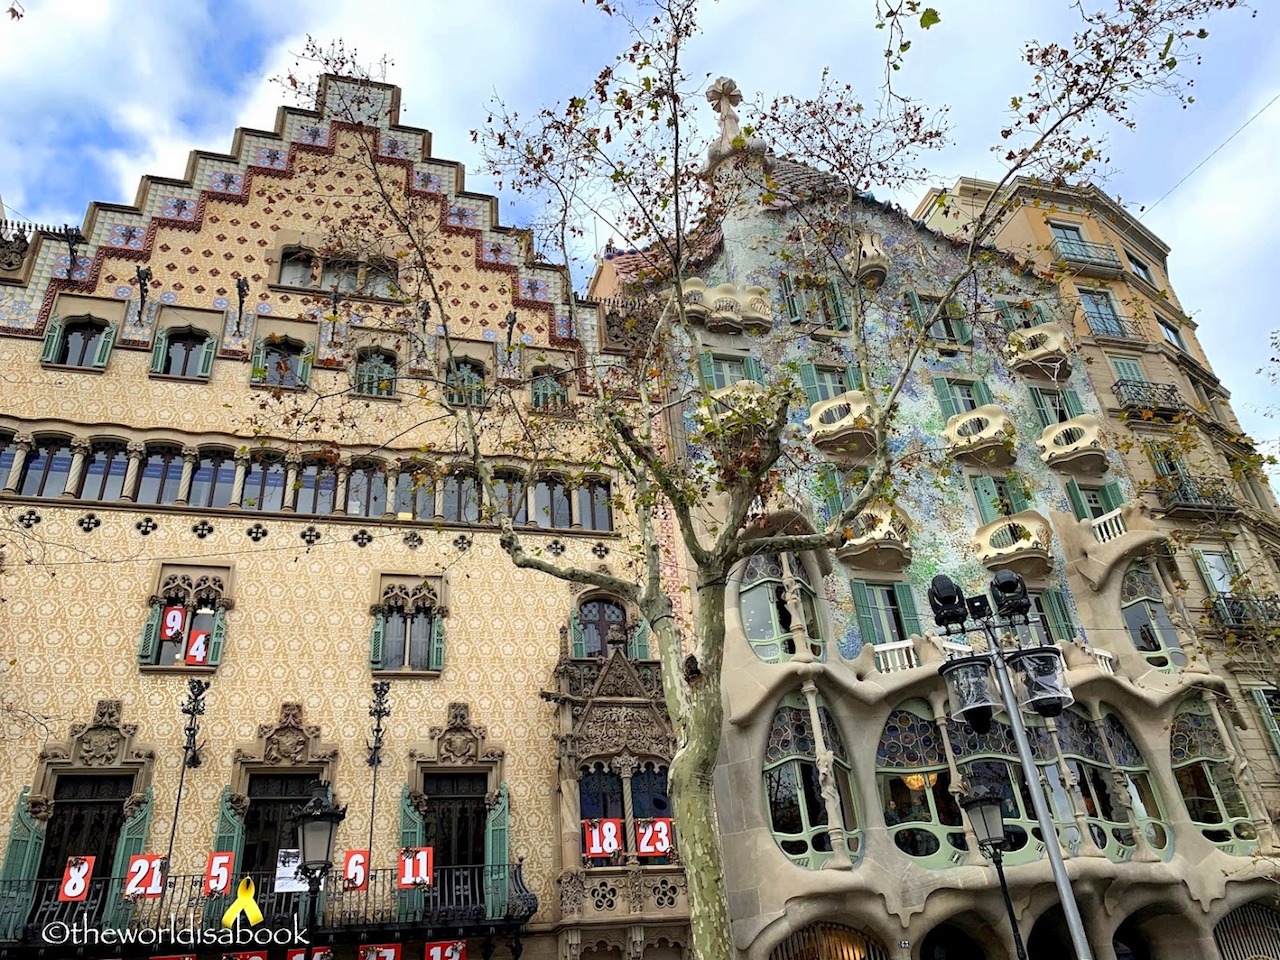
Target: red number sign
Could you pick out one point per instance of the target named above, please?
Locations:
(415, 867)
(173, 623)
(388, 952)
(653, 837)
(252, 955)
(355, 870)
(145, 877)
(446, 950)
(185, 956)
(217, 873)
(320, 953)
(602, 838)
(75, 879)
(198, 648)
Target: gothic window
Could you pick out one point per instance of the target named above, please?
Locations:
(464, 383)
(408, 629)
(375, 374)
(548, 391)
(161, 476)
(600, 798)
(1147, 620)
(509, 487)
(87, 818)
(187, 353)
(104, 472)
(650, 804)
(280, 362)
(594, 509)
(264, 483)
(1202, 767)
(776, 590)
(366, 490)
(8, 449)
(415, 492)
(453, 811)
(551, 502)
(213, 480)
(914, 784)
(45, 472)
(340, 275)
(798, 812)
(317, 488)
(80, 342)
(460, 498)
(269, 824)
(187, 624)
(295, 268)
(599, 624)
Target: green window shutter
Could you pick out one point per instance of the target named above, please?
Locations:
(942, 390)
(104, 346)
(638, 648)
(1071, 400)
(790, 302)
(217, 637)
(984, 493)
(131, 842)
(1077, 499)
(981, 393)
(1269, 722)
(377, 640)
(304, 367)
(809, 380)
(206, 357)
(258, 361)
(230, 833)
(907, 609)
(577, 637)
(159, 350)
(752, 368)
(497, 856)
(964, 332)
(1127, 369)
(148, 642)
(1007, 316)
(1044, 313)
(839, 307)
(1043, 410)
(21, 863)
(707, 364)
(1061, 625)
(1205, 576)
(852, 377)
(1112, 497)
(435, 659)
(862, 607)
(917, 308)
(53, 339)
(413, 833)
(832, 492)
(1017, 497)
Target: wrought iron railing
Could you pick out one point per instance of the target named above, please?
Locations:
(1144, 395)
(457, 897)
(1209, 494)
(1246, 611)
(1113, 325)
(1082, 251)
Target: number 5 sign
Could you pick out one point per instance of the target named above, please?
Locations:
(75, 879)
(217, 873)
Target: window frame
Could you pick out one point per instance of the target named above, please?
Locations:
(302, 489)
(367, 468)
(594, 505)
(1172, 333)
(49, 449)
(219, 460)
(117, 459)
(173, 457)
(1139, 268)
(370, 384)
(793, 581)
(264, 462)
(466, 383)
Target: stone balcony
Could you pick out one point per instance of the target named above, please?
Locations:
(1020, 543)
(1074, 446)
(841, 426)
(728, 308)
(881, 539)
(1040, 351)
(870, 264)
(625, 894)
(1098, 547)
(984, 435)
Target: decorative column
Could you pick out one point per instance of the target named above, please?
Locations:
(393, 480)
(137, 452)
(23, 443)
(799, 629)
(1145, 852)
(237, 487)
(1088, 846)
(625, 765)
(1244, 777)
(840, 859)
(957, 788)
(80, 449)
(190, 457)
(343, 474)
(292, 462)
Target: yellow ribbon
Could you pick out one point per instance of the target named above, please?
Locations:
(243, 903)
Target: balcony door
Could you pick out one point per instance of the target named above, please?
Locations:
(454, 817)
(269, 827)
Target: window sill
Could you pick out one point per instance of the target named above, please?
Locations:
(407, 674)
(72, 368)
(177, 668)
(394, 398)
(262, 385)
(176, 379)
(323, 295)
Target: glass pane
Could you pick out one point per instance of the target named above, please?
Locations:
(1228, 790)
(1197, 794)
(161, 476)
(758, 610)
(367, 492)
(420, 640)
(784, 799)
(394, 640)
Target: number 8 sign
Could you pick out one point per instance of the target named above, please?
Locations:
(75, 879)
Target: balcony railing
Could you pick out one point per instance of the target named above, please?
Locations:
(985, 433)
(896, 656)
(880, 539)
(1246, 612)
(1196, 495)
(1106, 661)
(727, 308)
(842, 425)
(1075, 444)
(1041, 349)
(1159, 398)
(457, 898)
(1109, 526)
(1098, 258)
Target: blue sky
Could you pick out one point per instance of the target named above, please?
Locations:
(99, 92)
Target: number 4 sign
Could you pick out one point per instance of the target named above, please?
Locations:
(415, 867)
(198, 648)
(446, 950)
(146, 877)
(75, 879)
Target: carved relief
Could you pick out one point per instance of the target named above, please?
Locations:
(105, 744)
(460, 743)
(611, 729)
(572, 891)
(289, 742)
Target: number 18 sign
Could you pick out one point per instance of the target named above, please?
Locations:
(602, 838)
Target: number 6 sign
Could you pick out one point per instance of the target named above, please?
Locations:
(355, 870)
(75, 879)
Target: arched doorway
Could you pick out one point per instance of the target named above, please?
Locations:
(946, 941)
(1050, 939)
(1129, 943)
(828, 941)
(1249, 932)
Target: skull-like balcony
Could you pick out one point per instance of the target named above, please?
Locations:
(842, 425)
(727, 308)
(880, 539)
(869, 263)
(1040, 351)
(1074, 446)
(983, 435)
(1021, 543)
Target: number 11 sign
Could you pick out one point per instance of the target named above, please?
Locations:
(415, 867)
(446, 950)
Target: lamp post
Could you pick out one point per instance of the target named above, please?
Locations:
(984, 803)
(317, 827)
(969, 685)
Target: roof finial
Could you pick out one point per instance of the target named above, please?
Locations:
(724, 95)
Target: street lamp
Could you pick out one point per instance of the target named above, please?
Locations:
(984, 803)
(1045, 690)
(317, 828)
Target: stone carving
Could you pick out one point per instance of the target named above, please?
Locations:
(13, 250)
(459, 741)
(612, 729)
(288, 742)
(635, 889)
(239, 804)
(134, 805)
(603, 894)
(724, 95)
(106, 743)
(665, 893)
(572, 891)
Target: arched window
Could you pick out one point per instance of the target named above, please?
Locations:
(375, 374)
(187, 352)
(914, 783)
(1143, 798)
(461, 498)
(80, 342)
(1202, 767)
(161, 475)
(509, 487)
(464, 383)
(280, 362)
(1142, 604)
(340, 275)
(8, 450)
(264, 483)
(366, 490)
(189, 623)
(104, 472)
(650, 804)
(45, 472)
(551, 502)
(797, 810)
(548, 391)
(992, 754)
(380, 280)
(295, 268)
(600, 798)
(773, 585)
(829, 941)
(415, 492)
(317, 488)
(214, 479)
(594, 510)
(408, 629)
(596, 623)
